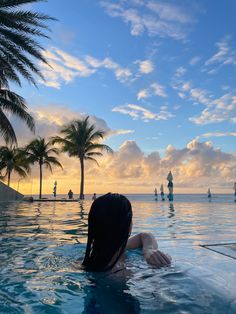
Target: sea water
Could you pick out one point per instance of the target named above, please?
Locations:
(41, 245)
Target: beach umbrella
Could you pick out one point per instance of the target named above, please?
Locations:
(162, 192)
(55, 189)
(170, 186)
(170, 176)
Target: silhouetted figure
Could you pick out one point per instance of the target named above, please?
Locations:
(55, 189)
(162, 192)
(94, 196)
(234, 192)
(209, 193)
(156, 195)
(70, 195)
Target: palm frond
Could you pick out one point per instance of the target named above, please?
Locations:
(98, 146)
(53, 160)
(6, 129)
(13, 160)
(94, 154)
(20, 30)
(92, 159)
(14, 3)
(15, 104)
(39, 150)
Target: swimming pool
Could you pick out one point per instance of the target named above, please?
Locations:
(40, 244)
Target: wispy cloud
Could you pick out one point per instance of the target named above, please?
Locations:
(180, 71)
(215, 109)
(142, 94)
(157, 19)
(121, 73)
(224, 56)
(64, 67)
(158, 90)
(200, 96)
(145, 66)
(216, 134)
(138, 112)
(119, 132)
(154, 89)
(194, 60)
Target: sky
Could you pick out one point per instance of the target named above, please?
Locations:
(157, 76)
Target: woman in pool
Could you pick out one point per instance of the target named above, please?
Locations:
(109, 229)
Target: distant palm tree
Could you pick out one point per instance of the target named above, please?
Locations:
(81, 140)
(39, 151)
(18, 29)
(12, 103)
(13, 159)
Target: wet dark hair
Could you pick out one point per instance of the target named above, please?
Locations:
(109, 223)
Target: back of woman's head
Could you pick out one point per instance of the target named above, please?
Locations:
(109, 224)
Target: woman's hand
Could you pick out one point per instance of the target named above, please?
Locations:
(156, 258)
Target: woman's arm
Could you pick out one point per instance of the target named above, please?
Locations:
(148, 244)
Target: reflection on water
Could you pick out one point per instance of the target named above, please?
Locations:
(40, 245)
(171, 211)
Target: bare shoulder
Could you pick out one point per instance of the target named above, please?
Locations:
(134, 242)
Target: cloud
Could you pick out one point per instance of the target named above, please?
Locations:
(51, 117)
(122, 74)
(194, 60)
(64, 68)
(180, 71)
(157, 19)
(145, 67)
(158, 90)
(169, 12)
(154, 89)
(186, 86)
(224, 56)
(119, 132)
(217, 110)
(223, 50)
(143, 93)
(200, 96)
(195, 166)
(216, 134)
(138, 112)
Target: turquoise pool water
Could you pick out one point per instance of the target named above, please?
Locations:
(40, 244)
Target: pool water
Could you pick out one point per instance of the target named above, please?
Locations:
(40, 244)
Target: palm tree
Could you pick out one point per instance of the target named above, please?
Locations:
(13, 160)
(19, 30)
(39, 151)
(81, 140)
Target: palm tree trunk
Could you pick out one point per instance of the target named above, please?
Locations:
(82, 179)
(40, 180)
(8, 178)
